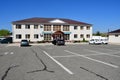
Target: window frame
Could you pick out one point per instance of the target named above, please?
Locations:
(88, 36)
(75, 35)
(35, 26)
(87, 27)
(56, 27)
(27, 26)
(27, 36)
(66, 28)
(47, 27)
(18, 26)
(18, 36)
(75, 27)
(116, 35)
(81, 35)
(36, 36)
(81, 27)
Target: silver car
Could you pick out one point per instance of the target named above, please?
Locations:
(24, 43)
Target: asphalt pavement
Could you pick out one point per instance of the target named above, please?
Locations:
(69, 62)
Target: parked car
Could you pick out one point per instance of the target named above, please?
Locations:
(104, 41)
(98, 41)
(60, 42)
(6, 40)
(24, 43)
(94, 41)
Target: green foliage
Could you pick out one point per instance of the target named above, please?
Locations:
(4, 32)
(83, 39)
(76, 41)
(100, 34)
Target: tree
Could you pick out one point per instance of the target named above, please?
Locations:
(100, 34)
(4, 32)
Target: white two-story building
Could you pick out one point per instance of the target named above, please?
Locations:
(39, 29)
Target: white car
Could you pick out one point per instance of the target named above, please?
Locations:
(104, 41)
(94, 41)
(98, 41)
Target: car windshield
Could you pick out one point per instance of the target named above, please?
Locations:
(24, 41)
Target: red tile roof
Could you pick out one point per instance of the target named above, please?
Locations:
(47, 21)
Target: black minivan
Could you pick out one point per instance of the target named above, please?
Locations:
(7, 40)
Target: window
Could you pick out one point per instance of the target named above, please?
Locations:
(82, 36)
(27, 36)
(27, 26)
(75, 35)
(116, 35)
(88, 27)
(75, 27)
(47, 27)
(56, 27)
(18, 36)
(18, 26)
(66, 28)
(88, 35)
(67, 36)
(35, 26)
(36, 36)
(47, 37)
(81, 27)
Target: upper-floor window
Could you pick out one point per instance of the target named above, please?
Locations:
(27, 36)
(27, 26)
(35, 26)
(36, 36)
(75, 36)
(56, 27)
(18, 26)
(47, 27)
(88, 27)
(66, 28)
(18, 36)
(81, 27)
(116, 35)
(75, 27)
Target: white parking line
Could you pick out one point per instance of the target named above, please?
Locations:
(12, 53)
(66, 69)
(100, 53)
(114, 66)
(6, 53)
(64, 56)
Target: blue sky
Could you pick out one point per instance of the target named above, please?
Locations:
(103, 14)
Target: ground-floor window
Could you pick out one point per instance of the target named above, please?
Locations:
(47, 37)
(36, 36)
(67, 36)
(81, 35)
(75, 36)
(88, 35)
(27, 36)
(18, 36)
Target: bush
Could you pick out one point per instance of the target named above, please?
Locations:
(44, 41)
(84, 40)
(77, 41)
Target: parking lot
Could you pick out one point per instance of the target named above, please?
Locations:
(69, 62)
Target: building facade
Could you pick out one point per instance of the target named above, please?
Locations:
(114, 36)
(41, 29)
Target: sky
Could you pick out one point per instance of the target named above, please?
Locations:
(102, 14)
